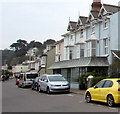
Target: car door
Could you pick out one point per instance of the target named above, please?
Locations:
(96, 91)
(41, 83)
(106, 89)
(45, 83)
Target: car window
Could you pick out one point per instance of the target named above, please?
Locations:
(56, 78)
(118, 82)
(45, 78)
(107, 84)
(100, 84)
(42, 78)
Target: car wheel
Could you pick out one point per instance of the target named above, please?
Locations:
(110, 100)
(22, 85)
(36, 88)
(32, 88)
(88, 97)
(39, 89)
(48, 90)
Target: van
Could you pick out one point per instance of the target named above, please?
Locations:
(26, 79)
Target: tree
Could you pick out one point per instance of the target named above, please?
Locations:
(48, 42)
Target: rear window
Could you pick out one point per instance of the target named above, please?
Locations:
(31, 76)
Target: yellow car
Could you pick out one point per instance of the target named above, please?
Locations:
(107, 90)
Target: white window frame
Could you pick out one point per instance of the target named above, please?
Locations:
(105, 23)
(81, 33)
(93, 28)
(93, 48)
(106, 46)
(82, 50)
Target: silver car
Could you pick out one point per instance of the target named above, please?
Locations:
(53, 83)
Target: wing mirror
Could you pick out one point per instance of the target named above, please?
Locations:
(95, 87)
(46, 80)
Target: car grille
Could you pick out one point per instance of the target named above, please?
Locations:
(61, 89)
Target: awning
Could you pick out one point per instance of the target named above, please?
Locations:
(81, 62)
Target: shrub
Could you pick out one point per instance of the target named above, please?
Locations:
(83, 80)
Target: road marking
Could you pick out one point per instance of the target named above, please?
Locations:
(112, 108)
(71, 95)
(81, 102)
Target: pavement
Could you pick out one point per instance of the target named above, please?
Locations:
(76, 91)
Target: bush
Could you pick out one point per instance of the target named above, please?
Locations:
(83, 80)
(96, 79)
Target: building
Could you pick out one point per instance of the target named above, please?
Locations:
(90, 42)
(59, 49)
(47, 59)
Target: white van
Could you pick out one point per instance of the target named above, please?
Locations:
(26, 79)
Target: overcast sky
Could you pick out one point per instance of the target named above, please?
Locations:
(39, 20)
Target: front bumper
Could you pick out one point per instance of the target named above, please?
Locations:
(59, 89)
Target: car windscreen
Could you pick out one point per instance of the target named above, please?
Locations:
(31, 76)
(56, 78)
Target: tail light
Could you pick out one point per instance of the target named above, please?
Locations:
(118, 89)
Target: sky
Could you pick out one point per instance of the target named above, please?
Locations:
(39, 20)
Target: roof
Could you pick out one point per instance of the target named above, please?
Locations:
(72, 25)
(81, 62)
(60, 41)
(83, 19)
(111, 8)
(95, 14)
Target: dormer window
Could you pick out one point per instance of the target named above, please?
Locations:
(105, 23)
(93, 28)
(81, 33)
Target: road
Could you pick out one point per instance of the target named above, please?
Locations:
(16, 99)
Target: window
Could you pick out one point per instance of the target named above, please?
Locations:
(70, 54)
(59, 47)
(93, 28)
(108, 84)
(105, 46)
(81, 33)
(100, 84)
(88, 49)
(105, 23)
(93, 48)
(82, 50)
(59, 58)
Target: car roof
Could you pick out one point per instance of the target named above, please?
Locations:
(113, 79)
(51, 75)
(31, 73)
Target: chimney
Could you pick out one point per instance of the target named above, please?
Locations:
(96, 5)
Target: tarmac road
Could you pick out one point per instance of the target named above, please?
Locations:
(16, 99)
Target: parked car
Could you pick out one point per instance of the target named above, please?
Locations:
(17, 80)
(26, 79)
(107, 90)
(53, 83)
(5, 77)
(35, 83)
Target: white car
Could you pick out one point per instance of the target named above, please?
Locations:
(53, 83)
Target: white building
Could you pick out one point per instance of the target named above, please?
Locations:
(90, 42)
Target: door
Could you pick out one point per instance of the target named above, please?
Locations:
(106, 89)
(96, 91)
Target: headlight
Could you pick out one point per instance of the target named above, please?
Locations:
(52, 85)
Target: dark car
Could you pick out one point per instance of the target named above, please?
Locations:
(35, 84)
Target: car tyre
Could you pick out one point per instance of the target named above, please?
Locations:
(110, 101)
(88, 97)
(39, 89)
(48, 90)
